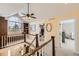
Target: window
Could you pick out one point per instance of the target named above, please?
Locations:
(14, 24)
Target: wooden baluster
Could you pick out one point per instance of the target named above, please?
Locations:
(5, 40)
(15, 39)
(53, 45)
(37, 44)
(8, 40)
(24, 37)
(12, 39)
(2, 41)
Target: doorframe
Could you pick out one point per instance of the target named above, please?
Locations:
(68, 20)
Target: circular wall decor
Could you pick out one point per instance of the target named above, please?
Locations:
(48, 27)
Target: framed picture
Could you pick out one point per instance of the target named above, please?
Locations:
(33, 27)
(48, 27)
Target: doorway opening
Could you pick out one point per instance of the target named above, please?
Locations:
(67, 34)
(42, 31)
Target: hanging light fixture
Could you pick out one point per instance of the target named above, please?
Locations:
(28, 14)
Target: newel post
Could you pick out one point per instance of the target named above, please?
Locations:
(53, 45)
(37, 44)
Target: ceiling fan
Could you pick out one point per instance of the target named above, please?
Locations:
(28, 15)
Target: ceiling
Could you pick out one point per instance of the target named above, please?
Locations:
(7, 9)
(49, 10)
(41, 10)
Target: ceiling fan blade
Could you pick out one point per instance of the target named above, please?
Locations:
(23, 16)
(33, 17)
(24, 13)
(28, 15)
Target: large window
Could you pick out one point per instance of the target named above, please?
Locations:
(14, 24)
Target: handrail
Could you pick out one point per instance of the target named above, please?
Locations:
(31, 34)
(38, 48)
(14, 34)
(7, 41)
(13, 44)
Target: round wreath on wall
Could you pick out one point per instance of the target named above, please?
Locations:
(48, 27)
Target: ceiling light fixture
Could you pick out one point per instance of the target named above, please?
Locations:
(28, 14)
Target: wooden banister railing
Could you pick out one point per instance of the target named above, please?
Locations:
(38, 48)
(10, 40)
(3, 39)
(13, 39)
(31, 34)
(44, 44)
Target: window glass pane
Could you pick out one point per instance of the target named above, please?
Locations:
(11, 26)
(14, 24)
(14, 19)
